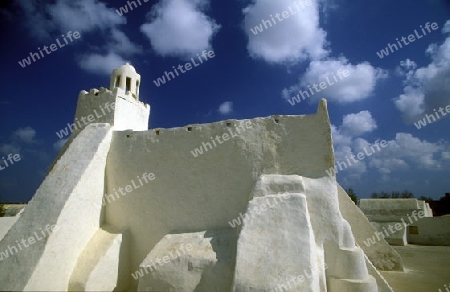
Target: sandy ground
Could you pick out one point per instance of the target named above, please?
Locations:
(427, 269)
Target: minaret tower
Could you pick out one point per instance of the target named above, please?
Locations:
(119, 106)
(126, 78)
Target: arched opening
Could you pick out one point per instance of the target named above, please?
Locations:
(137, 89)
(128, 85)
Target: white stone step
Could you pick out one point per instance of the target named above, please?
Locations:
(350, 285)
(97, 268)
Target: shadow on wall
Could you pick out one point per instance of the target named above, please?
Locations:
(220, 274)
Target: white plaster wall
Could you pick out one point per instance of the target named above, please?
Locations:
(96, 100)
(5, 224)
(397, 237)
(97, 267)
(67, 198)
(268, 246)
(381, 254)
(388, 210)
(277, 245)
(383, 285)
(200, 261)
(127, 113)
(130, 113)
(425, 207)
(432, 231)
(206, 192)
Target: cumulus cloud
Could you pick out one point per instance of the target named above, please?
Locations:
(226, 108)
(21, 136)
(26, 135)
(446, 28)
(426, 88)
(44, 21)
(120, 43)
(65, 15)
(83, 15)
(295, 38)
(357, 124)
(180, 28)
(7, 148)
(406, 67)
(407, 150)
(402, 153)
(347, 144)
(344, 82)
(58, 145)
(100, 64)
(298, 37)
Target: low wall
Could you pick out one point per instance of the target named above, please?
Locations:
(430, 231)
(380, 253)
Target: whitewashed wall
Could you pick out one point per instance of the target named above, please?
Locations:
(198, 193)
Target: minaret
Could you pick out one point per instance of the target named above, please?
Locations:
(118, 106)
(126, 78)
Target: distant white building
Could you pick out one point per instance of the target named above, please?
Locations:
(403, 221)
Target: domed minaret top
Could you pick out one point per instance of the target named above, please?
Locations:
(126, 78)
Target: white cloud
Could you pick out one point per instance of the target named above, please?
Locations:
(426, 88)
(295, 38)
(66, 15)
(180, 28)
(26, 135)
(226, 108)
(356, 84)
(338, 138)
(406, 68)
(345, 144)
(357, 124)
(58, 145)
(44, 21)
(9, 149)
(446, 28)
(36, 19)
(403, 153)
(100, 64)
(83, 15)
(407, 150)
(121, 43)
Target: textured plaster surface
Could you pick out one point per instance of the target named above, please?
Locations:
(381, 254)
(211, 189)
(67, 195)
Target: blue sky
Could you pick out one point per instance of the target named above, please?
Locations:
(250, 76)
